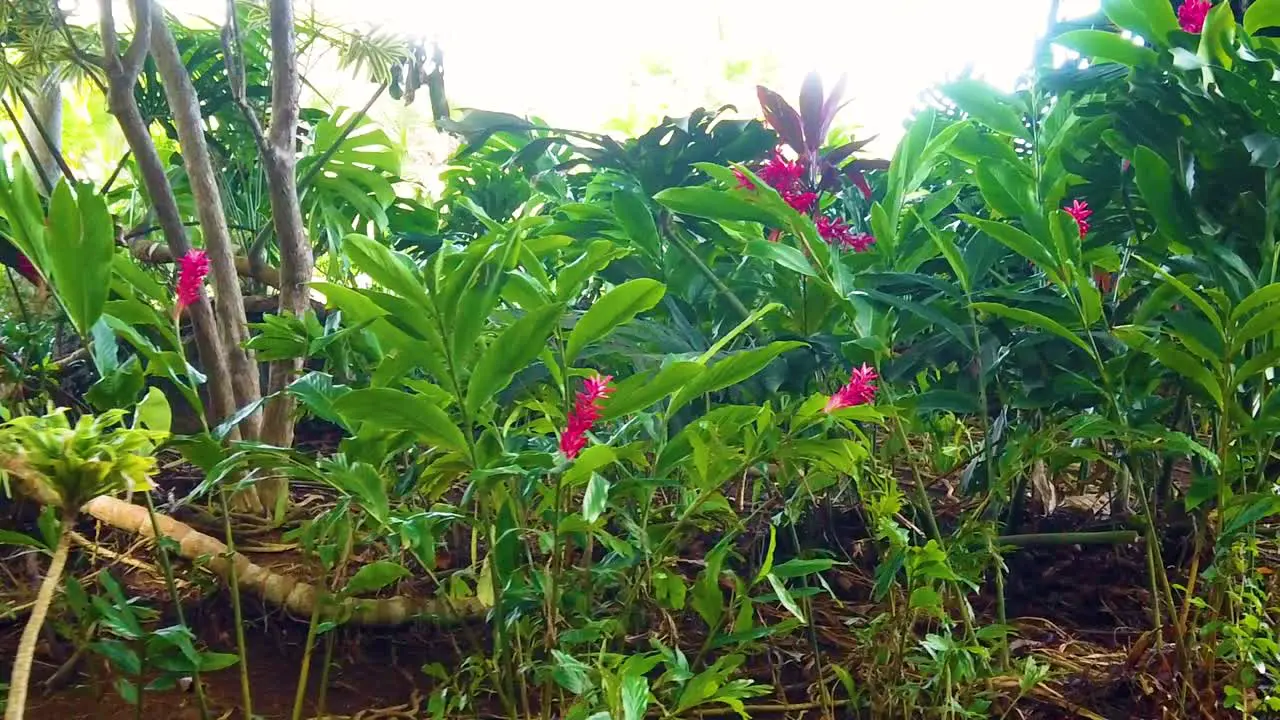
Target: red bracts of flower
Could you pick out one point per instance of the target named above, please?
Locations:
(1105, 281)
(1191, 14)
(192, 269)
(837, 233)
(781, 174)
(860, 390)
(744, 182)
(1079, 210)
(800, 201)
(585, 413)
(27, 270)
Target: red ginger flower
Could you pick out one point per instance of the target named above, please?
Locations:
(861, 242)
(1079, 210)
(192, 269)
(744, 182)
(860, 390)
(1191, 14)
(800, 201)
(585, 413)
(781, 174)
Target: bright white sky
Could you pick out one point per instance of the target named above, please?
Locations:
(589, 64)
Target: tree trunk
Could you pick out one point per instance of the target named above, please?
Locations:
(46, 120)
(185, 106)
(121, 78)
(296, 261)
(23, 659)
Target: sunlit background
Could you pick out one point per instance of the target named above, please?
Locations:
(621, 66)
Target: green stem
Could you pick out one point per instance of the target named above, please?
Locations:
(246, 694)
(732, 298)
(305, 669)
(324, 673)
(166, 567)
(141, 679)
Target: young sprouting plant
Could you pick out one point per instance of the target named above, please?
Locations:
(65, 466)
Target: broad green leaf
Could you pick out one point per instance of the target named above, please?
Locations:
(635, 697)
(79, 244)
(731, 371)
(1099, 45)
(949, 251)
(636, 220)
(1014, 239)
(1030, 317)
(1261, 14)
(1155, 182)
(1217, 39)
(375, 576)
(728, 337)
(924, 311)
(784, 596)
(1181, 362)
(639, 392)
(394, 410)
(589, 461)
(1005, 188)
(782, 254)
(512, 351)
(387, 268)
(9, 537)
(714, 204)
(1268, 320)
(620, 305)
(153, 412)
(1196, 299)
(1256, 299)
(1256, 364)
(988, 106)
(1152, 19)
(596, 497)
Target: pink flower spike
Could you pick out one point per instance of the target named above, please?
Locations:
(586, 411)
(1192, 13)
(860, 390)
(801, 202)
(780, 173)
(744, 182)
(1079, 210)
(192, 269)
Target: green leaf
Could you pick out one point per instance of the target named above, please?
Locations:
(589, 461)
(1262, 296)
(394, 410)
(1030, 317)
(988, 106)
(389, 269)
(1218, 37)
(513, 350)
(1014, 239)
(636, 220)
(1098, 45)
(1155, 182)
(924, 311)
(635, 697)
(9, 537)
(1256, 364)
(375, 576)
(799, 567)
(741, 327)
(1261, 14)
(731, 371)
(715, 204)
(782, 254)
(617, 307)
(785, 597)
(949, 251)
(596, 497)
(638, 392)
(1152, 19)
(1183, 363)
(153, 412)
(1196, 299)
(767, 566)
(1268, 320)
(79, 245)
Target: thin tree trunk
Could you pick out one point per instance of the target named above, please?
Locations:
(25, 656)
(296, 261)
(121, 78)
(185, 106)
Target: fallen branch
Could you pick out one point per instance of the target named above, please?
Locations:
(296, 596)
